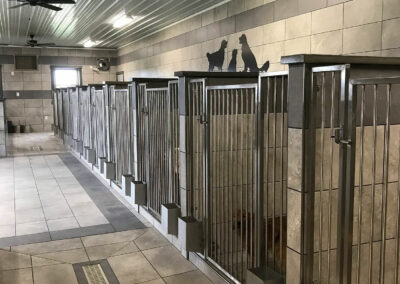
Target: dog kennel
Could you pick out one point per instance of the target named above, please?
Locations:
(155, 137)
(96, 151)
(343, 171)
(55, 112)
(234, 150)
(119, 131)
(60, 115)
(66, 115)
(84, 117)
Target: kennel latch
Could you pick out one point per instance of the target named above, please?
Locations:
(338, 136)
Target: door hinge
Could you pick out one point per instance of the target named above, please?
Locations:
(338, 136)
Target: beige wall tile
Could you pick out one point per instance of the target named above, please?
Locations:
(298, 26)
(274, 32)
(235, 7)
(359, 12)
(273, 52)
(250, 4)
(293, 275)
(362, 38)
(327, 43)
(298, 46)
(294, 220)
(32, 85)
(328, 19)
(391, 9)
(390, 33)
(13, 86)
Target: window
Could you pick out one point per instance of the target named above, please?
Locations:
(66, 77)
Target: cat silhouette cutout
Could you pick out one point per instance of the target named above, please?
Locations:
(217, 58)
(250, 62)
(233, 62)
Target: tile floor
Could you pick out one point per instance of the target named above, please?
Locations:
(135, 256)
(21, 144)
(40, 194)
(56, 215)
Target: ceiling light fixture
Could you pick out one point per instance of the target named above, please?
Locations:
(90, 43)
(122, 20)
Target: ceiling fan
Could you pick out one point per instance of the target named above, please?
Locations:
(33, 43)
(43, 3)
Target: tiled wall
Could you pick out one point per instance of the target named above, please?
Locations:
(33, 106)
(37, 114)
(273, 29)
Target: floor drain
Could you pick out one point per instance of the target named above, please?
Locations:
(36, 148)
(95, 274)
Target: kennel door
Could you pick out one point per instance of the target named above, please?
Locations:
(232, 230)
(157, 148)
(334, 174)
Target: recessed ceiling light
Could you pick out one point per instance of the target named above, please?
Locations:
(90, 43)
(122, 20)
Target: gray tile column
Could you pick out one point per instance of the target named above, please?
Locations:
(301, 176)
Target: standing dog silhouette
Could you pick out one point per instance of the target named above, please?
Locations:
(250, 62)
(232, 64)
(217, 58)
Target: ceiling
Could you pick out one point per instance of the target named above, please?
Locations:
(91, 18)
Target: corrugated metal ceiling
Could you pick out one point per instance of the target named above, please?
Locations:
(91, 18)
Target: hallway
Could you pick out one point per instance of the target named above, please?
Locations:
(61, 224)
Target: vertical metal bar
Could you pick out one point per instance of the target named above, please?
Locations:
(230, 179)
(396, 270)
(322, 149)
(332, 125)
(242, 184)
(282, 174)
(385, 187)
(373, 185)
(346, 189)
(269, 90)
(236, 183)
(361, 181)
(206, 165)
(274, 172)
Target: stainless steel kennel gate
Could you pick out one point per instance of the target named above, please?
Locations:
(236, 139)
(339, 169)
(119, 130)
(156, 138)
(98, 124)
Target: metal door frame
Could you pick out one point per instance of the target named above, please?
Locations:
(257, 164)
(345, 136)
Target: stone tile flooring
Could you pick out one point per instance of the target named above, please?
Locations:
(40, 194)
(56, 215)
(21, 144)
(135, 256)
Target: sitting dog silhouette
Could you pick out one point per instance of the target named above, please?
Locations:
(250, 62)
(216, 59)
(232, 64)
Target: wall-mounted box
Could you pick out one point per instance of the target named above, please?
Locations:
(126, 184)
(109, 170)
(91, 156)
(170, 213)
(79, 146)
(139, 193)
(190, 234)
(263, 275)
